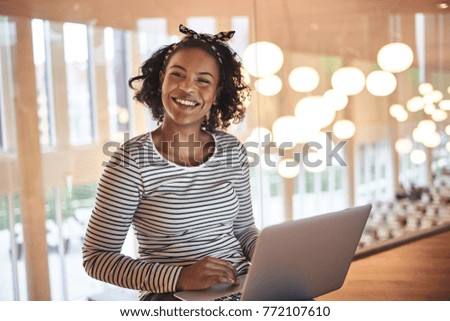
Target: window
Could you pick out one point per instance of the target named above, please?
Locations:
(12, 271)
(152, 35)
(267, 195)
(241, 38)
(375, 173)
(40, 31)
(362, 168)
(324, 181)
(321, 192)
(68, 209)
(338, 178)
(202, 24)
(309, 182)
(412, 173)
(79, 87)
(117, 64)
(7, 35)
(2, 126)
(440, 160)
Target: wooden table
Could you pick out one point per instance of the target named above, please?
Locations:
(416, 271)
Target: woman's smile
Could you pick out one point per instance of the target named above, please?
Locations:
(185, 102)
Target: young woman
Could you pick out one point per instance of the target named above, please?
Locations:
(184, 186)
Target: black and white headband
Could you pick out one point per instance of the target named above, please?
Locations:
(206, 38)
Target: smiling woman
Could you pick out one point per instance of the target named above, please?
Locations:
(184, 186)
(190, 85)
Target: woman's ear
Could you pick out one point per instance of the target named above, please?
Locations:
(161, 79)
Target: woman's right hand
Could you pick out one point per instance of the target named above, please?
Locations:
(206, 272)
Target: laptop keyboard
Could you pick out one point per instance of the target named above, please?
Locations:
(230, 297)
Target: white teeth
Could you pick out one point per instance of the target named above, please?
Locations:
(186, 102)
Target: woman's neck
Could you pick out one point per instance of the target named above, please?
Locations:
(182, 133)
(184, 146)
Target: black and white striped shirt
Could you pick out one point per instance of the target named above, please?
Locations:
(180, 214)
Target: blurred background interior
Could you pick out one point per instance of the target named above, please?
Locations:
(375, 74)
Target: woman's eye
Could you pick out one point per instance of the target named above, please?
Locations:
(176, 74)
(203, 80)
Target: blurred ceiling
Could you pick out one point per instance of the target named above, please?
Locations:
(350, 28)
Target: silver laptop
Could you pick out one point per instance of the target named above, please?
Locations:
(296, 260)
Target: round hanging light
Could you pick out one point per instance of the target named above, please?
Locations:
(262, 59)
(419, 134)
(335, 99)
(395, 57)
(425, 88)
(444, 104)
(311, 112)
(344, 129)
(447, 129)
(415, 104)
(432, 140)
(448, 89)
(447, 146)
(123, 115)
(429, 109)
(427, 125)
(284, 130)
(428, 98)
(269, 86)
(395, 110)
(418, 156)
(436, 96)
(402, 116)
(439, 115)
(288, 168)
(304, 79)
(403, 146)
(348, 80)
(381, 83)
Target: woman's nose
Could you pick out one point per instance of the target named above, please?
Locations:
(187, 85)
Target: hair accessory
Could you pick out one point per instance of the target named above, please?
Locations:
(222, 36)
(209, 39)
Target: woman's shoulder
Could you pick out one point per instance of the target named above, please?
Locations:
(137, 143)
(226, 138)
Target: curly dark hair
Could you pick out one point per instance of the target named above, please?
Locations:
(233, 92)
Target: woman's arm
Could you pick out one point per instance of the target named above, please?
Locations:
(118, 195)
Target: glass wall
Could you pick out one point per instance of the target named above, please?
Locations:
(42, 61)
(85, 107)
(78, 59)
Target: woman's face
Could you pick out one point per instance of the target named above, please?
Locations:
(189, 87)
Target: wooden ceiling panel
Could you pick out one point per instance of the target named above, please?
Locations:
(353, 28)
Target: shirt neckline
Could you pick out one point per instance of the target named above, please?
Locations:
(204, 164)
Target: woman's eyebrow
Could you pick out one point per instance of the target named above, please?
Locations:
(178, 66)
(202, 73)
(205, 73)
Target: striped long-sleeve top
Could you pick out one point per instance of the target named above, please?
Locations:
(180, 214)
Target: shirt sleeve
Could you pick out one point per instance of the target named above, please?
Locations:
(244, 225)
(118, 196)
